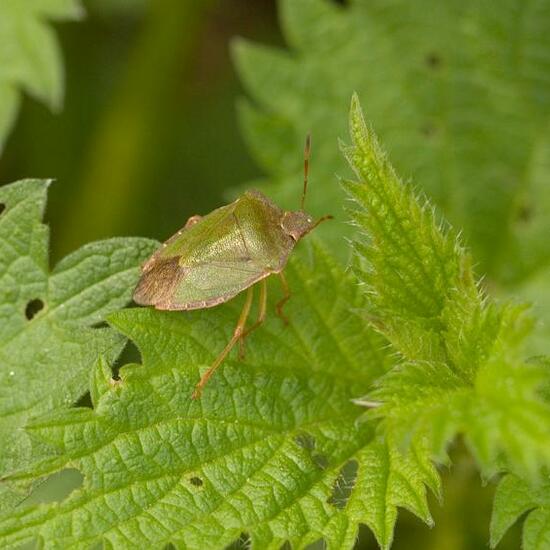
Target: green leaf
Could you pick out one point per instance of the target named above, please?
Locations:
(514, 497)
(461, 369)
(274, 448)
(47, 343)
(531, 253)
(29, 57)
(458, 91)
(536, 291)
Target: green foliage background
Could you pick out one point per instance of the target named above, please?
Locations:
(459, 95)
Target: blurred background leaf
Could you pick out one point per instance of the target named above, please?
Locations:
(457, 91)
(149, 123)
(29, 57)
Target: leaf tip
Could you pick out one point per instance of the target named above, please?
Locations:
(357, 124)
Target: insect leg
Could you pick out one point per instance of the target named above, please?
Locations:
(237, 333)
(284, 299)
(261, 316)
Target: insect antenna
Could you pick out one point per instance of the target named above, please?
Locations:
(307, 154)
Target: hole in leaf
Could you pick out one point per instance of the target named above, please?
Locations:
(2, 207)
(85, 401)
(130, 355)
(56, 487)
(433, 60)
(196, 481)
(305, 440)
(33, 307)
(343, 484)
(101, 324)
(320, 460)
(341, 2)
(242, 543)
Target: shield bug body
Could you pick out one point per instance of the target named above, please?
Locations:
(217, 256)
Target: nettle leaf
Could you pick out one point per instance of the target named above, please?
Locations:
(514, 497)
(461, 369)
(29, 56)
(531, 251)
(456, 105)
(274, 448)
(47, 343)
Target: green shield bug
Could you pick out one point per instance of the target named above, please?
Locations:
(217, 256)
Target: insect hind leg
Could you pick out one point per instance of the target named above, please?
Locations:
(237, 334)
(261, 317)
(280, 304)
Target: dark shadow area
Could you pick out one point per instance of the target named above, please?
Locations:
(33, 307)
(344, 484)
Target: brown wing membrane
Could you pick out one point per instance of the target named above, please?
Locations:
(169, 286)
(158, 281)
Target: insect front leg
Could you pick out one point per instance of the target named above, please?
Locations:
(280, 304)
(261, 316)
(237, 334)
